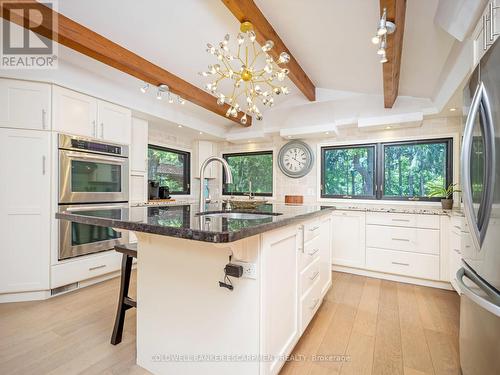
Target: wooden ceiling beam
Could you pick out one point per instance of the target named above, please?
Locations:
(246, 10)
(87, 42)
(396, 10)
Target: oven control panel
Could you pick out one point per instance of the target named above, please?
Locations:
(96, 147)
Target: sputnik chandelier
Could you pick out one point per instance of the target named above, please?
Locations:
(384, 28)
(250, 76)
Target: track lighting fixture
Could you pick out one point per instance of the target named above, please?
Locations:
(145, 88)
(384, 28)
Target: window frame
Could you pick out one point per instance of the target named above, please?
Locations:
(187, 167)
(381, 169)
(247, 153)
(343, 147)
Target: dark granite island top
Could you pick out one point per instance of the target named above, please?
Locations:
(183, 221)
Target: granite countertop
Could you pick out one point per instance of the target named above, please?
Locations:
(399, 210)
(183, 220)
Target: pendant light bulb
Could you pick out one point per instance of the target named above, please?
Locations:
(376, 39)
(145, 88)
(159, 94)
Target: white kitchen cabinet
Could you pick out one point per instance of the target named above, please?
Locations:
(139, 146)
(80, 114)
(114, 122)
(202, 150)
(348, 238)
(74, 113)
(24, 210)
(138, 188)
(487, 30)
(279, 313)
(455, 250)
(24, 104)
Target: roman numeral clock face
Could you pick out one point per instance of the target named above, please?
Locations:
(295, 159)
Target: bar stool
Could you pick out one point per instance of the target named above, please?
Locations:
(129, 252)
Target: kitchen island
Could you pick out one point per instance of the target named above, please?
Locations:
(194, 319)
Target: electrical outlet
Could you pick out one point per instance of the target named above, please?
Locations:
(249, 269)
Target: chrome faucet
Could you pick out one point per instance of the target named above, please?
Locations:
(229, 179)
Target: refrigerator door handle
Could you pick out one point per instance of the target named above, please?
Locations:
(481, 301)
(479, 227)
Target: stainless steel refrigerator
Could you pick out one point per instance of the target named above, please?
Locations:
(479, 278)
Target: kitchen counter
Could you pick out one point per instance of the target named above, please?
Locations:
(183, 221)
(399, 209)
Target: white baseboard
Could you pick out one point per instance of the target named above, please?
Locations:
(387, 276)
(24, 296)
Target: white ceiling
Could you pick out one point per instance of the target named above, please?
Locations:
(329, 38)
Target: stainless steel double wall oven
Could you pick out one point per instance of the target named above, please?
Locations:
(92, 176)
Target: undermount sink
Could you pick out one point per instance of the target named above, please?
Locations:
(237, 215)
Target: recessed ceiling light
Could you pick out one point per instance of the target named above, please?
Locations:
(179, 126)
(453, 109)
(388, 127)
(201, 133)
(327, 132)
(248, 141)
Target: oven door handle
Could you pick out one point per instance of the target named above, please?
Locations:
(95, 207)
(79, 155)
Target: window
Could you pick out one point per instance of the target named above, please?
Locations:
(250, 167)
(410, 168)
(170, 168)
(348, 172)
(401, 170)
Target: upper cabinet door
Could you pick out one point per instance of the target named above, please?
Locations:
(24, 104)
(139, 146)
(114, 122)
(74, 113)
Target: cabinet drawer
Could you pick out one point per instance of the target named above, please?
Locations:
(311, 230)
(310, 252)
(84, 268)
(406, 239)
(402, 263)
(310, 303)
(403, 220)
(309, 276)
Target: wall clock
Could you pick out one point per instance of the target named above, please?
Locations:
(296, 159)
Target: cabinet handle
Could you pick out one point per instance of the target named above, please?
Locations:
(94, 126)
(401, 239)
(400, 264)
(313, 277)
(102, 129)
(315, 303)
(403, 220)
(457, 251)
(43, 165)
(97, 267)
(493, 9)
(314, 251)
(44, 125)
(314, 228)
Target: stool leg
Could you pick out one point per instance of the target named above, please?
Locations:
(126, 271)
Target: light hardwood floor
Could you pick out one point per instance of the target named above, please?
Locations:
(365, 326)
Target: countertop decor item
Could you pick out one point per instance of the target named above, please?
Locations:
(294, 199)
(438, 190)
(250, 74)
(245, 204)
(296, 159)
